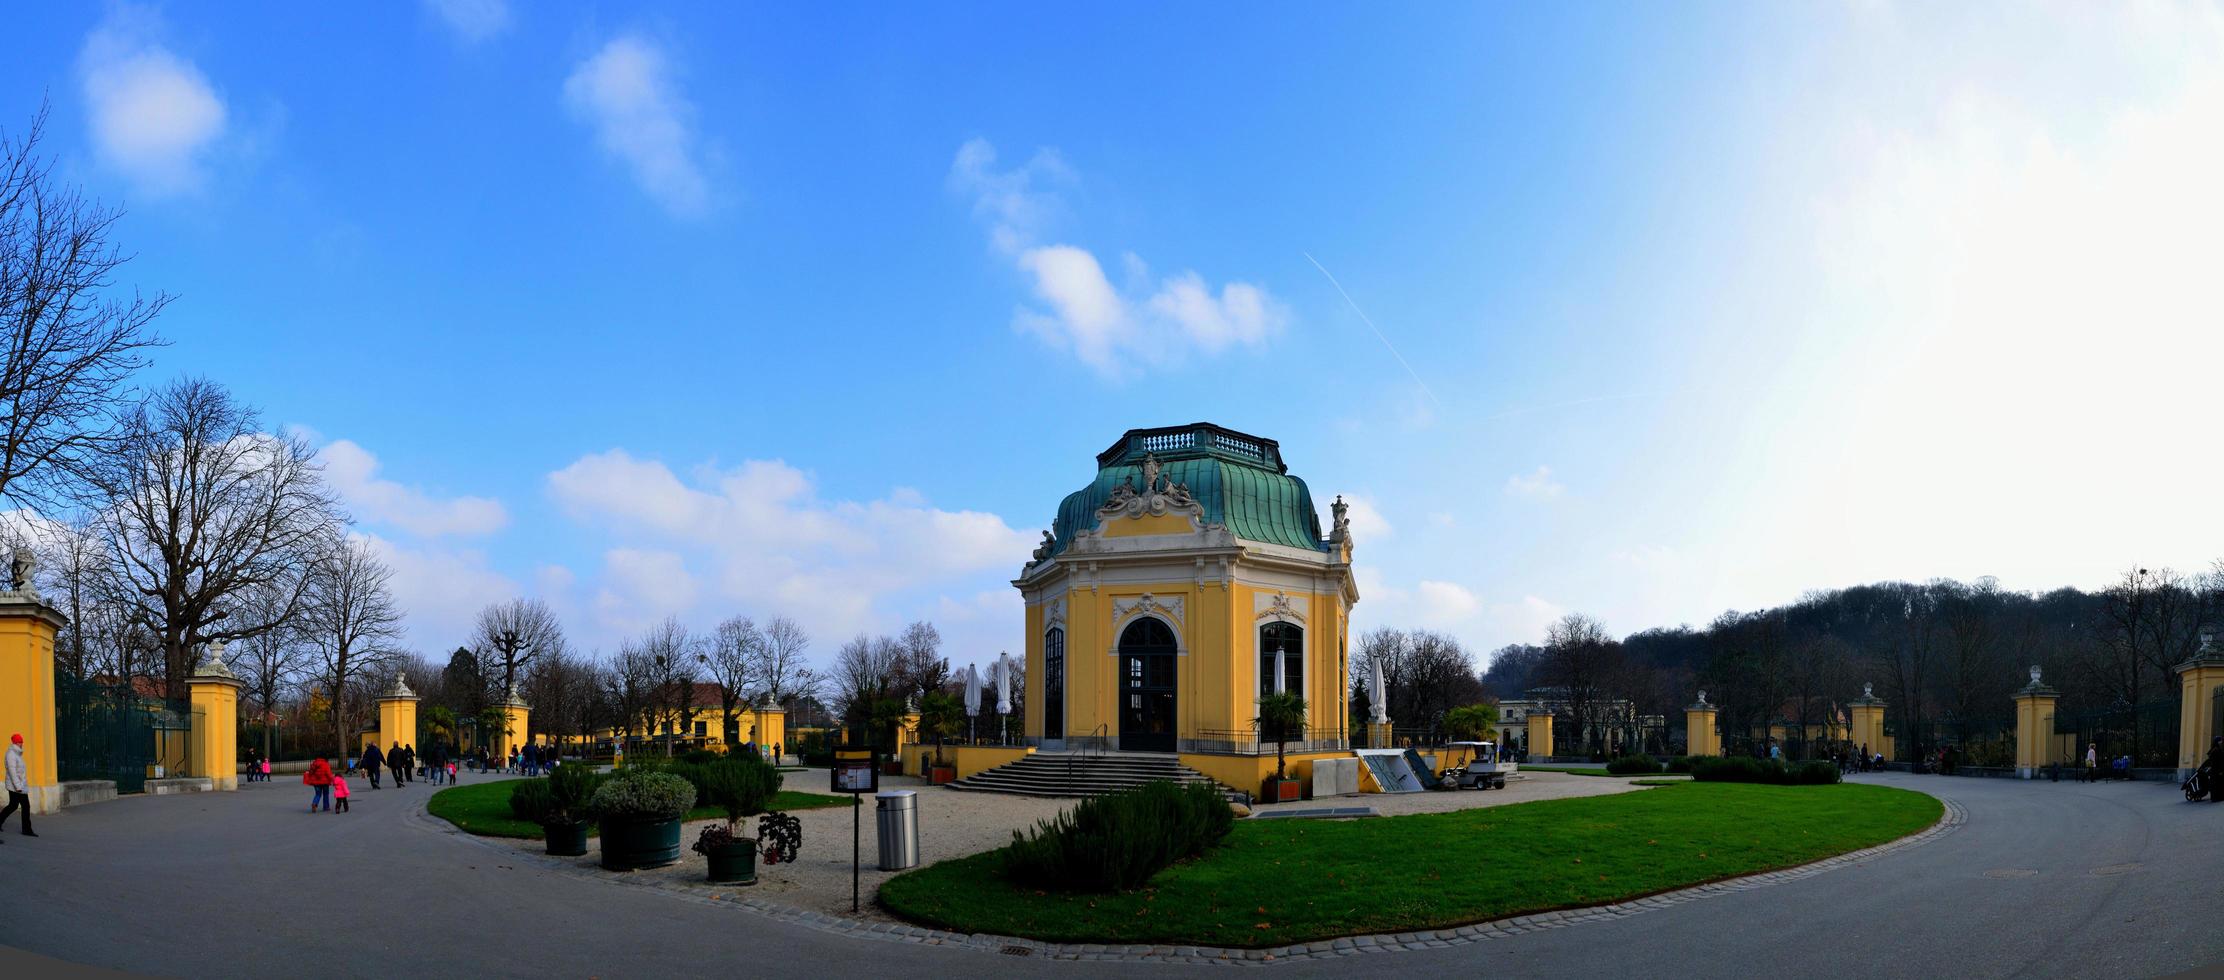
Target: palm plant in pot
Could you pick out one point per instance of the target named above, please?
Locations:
(640, 810)
(742, 787)
(939, 716)
(1280, 714)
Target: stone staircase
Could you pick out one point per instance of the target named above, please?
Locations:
(1079, 774)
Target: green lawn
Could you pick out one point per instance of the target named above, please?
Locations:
(484, 808)
(1286, 881)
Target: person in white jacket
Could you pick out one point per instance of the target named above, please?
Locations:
(19, 786)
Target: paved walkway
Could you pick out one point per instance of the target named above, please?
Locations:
(2041, 879)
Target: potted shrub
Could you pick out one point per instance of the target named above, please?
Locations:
(741, 787)
(565, 823)
(1279, 715)
(939, 716)
(640, 814)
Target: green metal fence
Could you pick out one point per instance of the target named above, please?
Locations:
(2148, 733)
(108, 732)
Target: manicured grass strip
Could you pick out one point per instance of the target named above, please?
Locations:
(1289, 881)
(484, 808)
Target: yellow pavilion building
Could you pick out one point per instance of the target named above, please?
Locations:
(1165, 593)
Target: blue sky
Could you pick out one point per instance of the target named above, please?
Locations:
(704, 309)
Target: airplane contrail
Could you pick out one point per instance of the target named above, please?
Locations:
(1363, 318)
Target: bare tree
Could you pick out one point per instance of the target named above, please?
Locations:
(920, 666)
(863, 672)
(730, 654)
(629, 687)
(70, 346)
(272, 662)
(1579, 662)
(510, 634)
(352, 620)
(204, 506)
(778, 667)
(672, 650)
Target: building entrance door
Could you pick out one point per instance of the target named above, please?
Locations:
(1147, 658)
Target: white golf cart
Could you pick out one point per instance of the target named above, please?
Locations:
(1474, 765)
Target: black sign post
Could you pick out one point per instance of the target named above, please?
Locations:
(855, 772)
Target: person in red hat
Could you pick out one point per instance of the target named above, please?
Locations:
(19, 786)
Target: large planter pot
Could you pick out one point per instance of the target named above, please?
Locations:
(734, 863)
(630, 845)
(1281, 790)
(941, 774)
(566, 839)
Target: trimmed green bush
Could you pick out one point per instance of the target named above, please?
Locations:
(1681, 763)
(531, 801)
(741, 787)
(1117, 842)
(1633, 765)
(1739, 769)
(569, 789)
(636, 795)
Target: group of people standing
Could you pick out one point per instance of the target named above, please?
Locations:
(532, 760)
(404, 764)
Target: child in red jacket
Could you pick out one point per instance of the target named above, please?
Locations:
(319, 778)
(340, 792)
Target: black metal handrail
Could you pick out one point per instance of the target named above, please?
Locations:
(1093, 746)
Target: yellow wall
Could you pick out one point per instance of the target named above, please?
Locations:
(2034, 730)
(1150, 524)
(1867, 729)
(1217, 674)
(1700, 735)
(1540, 735)
(516, 730)
(1248, 772)
(2197, 685)
(397, 722)
(968, 759)
(216, 730)
(770, 726)
(27, 632)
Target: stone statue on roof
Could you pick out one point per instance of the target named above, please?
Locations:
(1150, 472)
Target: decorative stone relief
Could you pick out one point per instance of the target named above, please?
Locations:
(1280, 606)
(1159, 496)
(1170, 607)
(1054, 614)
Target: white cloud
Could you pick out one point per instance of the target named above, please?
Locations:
(1538, 485)
(641, 586)
(154, 115)
(440, 590)
(627, 93)
(472, 20)
(758, 535)
(1445, 603)
(354, 473)
(1117, 331)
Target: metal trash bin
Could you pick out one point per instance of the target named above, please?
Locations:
(896, 811)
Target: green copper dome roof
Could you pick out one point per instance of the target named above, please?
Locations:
(1239, 480)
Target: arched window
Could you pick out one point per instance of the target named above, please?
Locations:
(1054, 683)
(1290, 639)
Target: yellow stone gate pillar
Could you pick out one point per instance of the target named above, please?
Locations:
(516, 717)
(2198, 679)
(1540, 735)
(397, 716)
(1865, 716)
(1699, 734)
(27, 630)
(771, 723)
(214, 690)
(2034, 725)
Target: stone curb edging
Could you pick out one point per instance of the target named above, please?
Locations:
(1952, 819)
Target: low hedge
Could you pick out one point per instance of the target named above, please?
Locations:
(1116, 842)
(1740, 769)
(1633, 765)
(1680, 763)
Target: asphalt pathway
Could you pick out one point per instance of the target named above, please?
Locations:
(2042, 880)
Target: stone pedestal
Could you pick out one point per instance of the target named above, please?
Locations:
(2198, 680)
(1865, 716)
(215, 694)
(2034, 726)
(1700, 736)
(27, 630)
(397, 716)
(1540, 735)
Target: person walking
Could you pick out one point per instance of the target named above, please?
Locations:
(2215, 766)
(394, 764)
(2092, 761)
(319, 780)
(19, 786)
(373, 761)
(340, 793)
